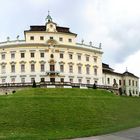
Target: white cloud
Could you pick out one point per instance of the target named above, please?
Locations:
(131, 63)
(116, 24)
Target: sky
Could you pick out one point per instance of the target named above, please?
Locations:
(114, 23)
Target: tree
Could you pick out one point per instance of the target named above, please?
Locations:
(34, 84)
(120, 91)
(94, 86)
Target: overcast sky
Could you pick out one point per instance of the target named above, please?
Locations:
(114, 23)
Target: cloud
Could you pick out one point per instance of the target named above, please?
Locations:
(116, 24)
(131, 63)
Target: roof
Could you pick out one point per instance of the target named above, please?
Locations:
(58, 28)
(126, 73)
(37, 28)
(111, 72)
(62, 29)
(106, 69)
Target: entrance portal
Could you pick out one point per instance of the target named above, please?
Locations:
(52, 80)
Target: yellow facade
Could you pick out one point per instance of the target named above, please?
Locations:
(49, 53)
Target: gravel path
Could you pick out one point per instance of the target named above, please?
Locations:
(131, 134)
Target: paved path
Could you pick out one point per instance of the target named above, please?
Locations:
(131, 134)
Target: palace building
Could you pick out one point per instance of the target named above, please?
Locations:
(50, 53)
(126, 82)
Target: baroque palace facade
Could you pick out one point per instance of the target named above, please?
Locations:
(50, 53)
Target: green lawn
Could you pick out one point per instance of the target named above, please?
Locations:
(41, 114)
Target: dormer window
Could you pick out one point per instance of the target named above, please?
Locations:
(32, 38)
(41, 37)
(60, 39)
(70, 40)
(51, 37)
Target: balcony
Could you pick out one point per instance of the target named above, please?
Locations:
(53, 73)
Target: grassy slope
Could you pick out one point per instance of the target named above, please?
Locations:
(41, 114)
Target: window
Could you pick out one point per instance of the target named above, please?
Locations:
(96, 82)
(79, 70)
(22, 55)
(120, 82)
(60, 39)
(3, 56)
(32, 80)
(41, 37)
(22, 68)
(108, 80)
(52, 56)
(95, 71)
(87, 58)
(3, 80)
(79, 57)
(22, 80)
(51, 26)
(133, 82)
(52, 68)
(42, 80)
(51, 37)
(61, 55)
(71, 80)
(70, 56)
(42, 67)
(32, 67)
(70, 40)
(31, 37)
(129, 82)
(62, 80)
(114, 81)
(136, 83)
(95, 60)
(79, 81)
(87, 70)
(124, 82)
(12, 55)
(12, 68)
(3, 69)
(13, 80)
(61, 68)
(32, 54)
(88, 81)
(71, 69)
(42, 55)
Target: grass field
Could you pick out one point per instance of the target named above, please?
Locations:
(41, 114)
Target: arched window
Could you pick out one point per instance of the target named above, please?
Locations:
(108, 80)
(114, 81)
